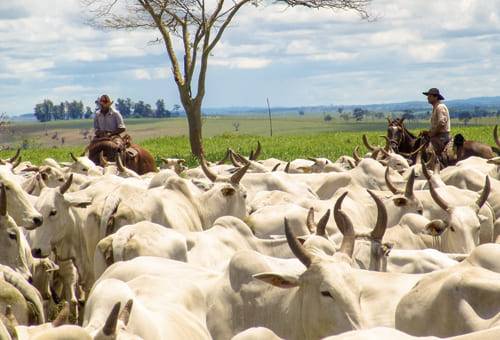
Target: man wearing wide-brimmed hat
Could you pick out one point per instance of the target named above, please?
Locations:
(440, 121)
(107, 122)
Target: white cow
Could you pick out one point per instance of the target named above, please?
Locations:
(465, 298)
(20, 206)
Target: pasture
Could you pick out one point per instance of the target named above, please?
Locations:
(293, 136)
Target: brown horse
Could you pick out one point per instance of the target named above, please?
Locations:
(406, 143)
(134, 157)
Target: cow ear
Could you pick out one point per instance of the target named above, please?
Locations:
(228, 191)
(78, 202)
(302, 239)
(278, 280)
(400, 201)
(436, 227)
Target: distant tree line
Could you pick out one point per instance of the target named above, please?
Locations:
(47, 110)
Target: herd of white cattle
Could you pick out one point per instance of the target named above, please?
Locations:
(357, 248)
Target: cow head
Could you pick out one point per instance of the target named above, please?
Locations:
(369, 252)
(227, 193)
(395, 161)
(20, 208)
(12, 250)
(82, 165)
(404, 200)
(56, 205)
(327, 285)
(460, 232)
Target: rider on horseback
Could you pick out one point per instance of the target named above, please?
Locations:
(107, 122)
(439, 134)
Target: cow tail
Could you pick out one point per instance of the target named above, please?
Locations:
(110, 207)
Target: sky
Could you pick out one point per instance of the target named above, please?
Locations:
(294, 56)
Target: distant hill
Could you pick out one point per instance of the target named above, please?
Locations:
(27, 117)
(471, 103)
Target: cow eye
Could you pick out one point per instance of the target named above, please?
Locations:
(12, 235)
(7, 188)
(53, 212)
(327, 294)
(452, 229)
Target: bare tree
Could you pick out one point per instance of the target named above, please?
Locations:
(198, 25)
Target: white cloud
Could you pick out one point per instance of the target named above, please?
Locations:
(150, 74)
(241, 63)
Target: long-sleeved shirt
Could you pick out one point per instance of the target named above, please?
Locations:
(440, 120)
(110, 121)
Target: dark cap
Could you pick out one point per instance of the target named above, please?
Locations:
(434, 92)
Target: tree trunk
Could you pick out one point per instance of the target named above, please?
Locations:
(193, 114)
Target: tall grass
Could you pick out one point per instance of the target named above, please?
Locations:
(286, 147)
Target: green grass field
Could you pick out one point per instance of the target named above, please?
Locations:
(293, 137)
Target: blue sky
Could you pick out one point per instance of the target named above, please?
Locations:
(293, 56)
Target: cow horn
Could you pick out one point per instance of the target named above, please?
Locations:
(381, 225)
(225, 158)
(351, 164)
(241, 159)
(389, 184)
(275, 167)
(65, 186)
(409, 184)
(233, 158)
(73, 157)
(349, 239)
(485, 193)
(13, 158)
(311, 226)
(62, 317)
(425, 171)
(315, 160)
(3, 201)
(102, 160)
(375, 153)
(386, 154)
(257, 151)
(119, 163)
(112, 320)
(321, 225)
(297, 249)
(206, 170)
(31, 187)
(438, 199)
(345, 226)
(125, 313)
(287, 167)
(367, 144)
(495, 135)
(355, 154)
(16, 164)
(387, 147)
(236, 178)
(251, 155)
